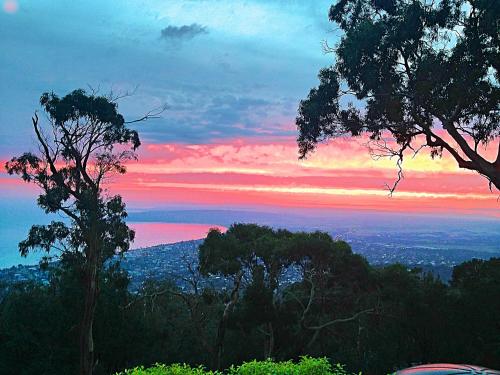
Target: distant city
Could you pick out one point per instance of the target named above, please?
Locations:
(172, 261)
(432, 243)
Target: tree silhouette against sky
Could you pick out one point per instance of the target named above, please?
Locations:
(425, 72)
(83, 142)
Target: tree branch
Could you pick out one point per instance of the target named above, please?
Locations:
(497, 161)
(440, 142)
(154, 113)
(341, 320)
(464, 146)
(50, 161)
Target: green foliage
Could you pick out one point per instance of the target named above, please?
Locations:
(79, 105)
(277, 312)
(39, 323)
(476, 283)
(174, 369)
(306, 366)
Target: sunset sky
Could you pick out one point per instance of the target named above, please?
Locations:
(232, 74)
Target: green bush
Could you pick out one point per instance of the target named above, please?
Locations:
(175, 369)
(306, 366)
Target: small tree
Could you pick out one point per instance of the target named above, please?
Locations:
(421, 71)
(84, 142)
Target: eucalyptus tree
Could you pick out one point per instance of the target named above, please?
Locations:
(280, 280)
(425, 72)
(82, 142)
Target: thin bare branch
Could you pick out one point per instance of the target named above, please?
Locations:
(153, 114)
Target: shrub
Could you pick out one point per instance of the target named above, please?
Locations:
(175, 369)
(306, 366)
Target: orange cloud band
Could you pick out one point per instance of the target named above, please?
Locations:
(261, 172)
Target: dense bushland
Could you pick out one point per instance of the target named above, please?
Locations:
(370, 319)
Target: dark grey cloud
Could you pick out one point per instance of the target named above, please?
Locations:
(184, 32)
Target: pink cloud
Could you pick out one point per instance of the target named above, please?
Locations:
(266, 171)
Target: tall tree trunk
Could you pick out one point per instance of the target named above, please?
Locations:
(221, 331)
(270, 345)
(219, 342)
(86, 337)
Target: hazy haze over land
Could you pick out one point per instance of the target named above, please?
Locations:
(365, 230)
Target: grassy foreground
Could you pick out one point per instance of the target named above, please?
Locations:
(306, 366)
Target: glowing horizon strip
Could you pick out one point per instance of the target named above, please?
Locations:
(303, 168)
(314, 190)
(165, 169)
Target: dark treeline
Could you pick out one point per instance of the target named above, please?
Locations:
(371, 319)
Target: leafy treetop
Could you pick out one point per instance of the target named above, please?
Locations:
(84, 141)
(423, 71)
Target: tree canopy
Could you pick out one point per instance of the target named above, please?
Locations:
(425, 72)
(262, 262)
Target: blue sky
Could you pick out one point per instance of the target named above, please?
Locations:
(225, 68)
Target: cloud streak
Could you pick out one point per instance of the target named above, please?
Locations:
(265, 171)
(258, 172)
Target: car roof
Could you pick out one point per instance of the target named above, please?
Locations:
(447, 369)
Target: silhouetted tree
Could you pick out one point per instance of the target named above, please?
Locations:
(331, 292)
(84, 142)
(425, 72)
(475, 283)
(261, 262)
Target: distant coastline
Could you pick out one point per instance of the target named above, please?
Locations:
(369, 233)
(155, 233)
